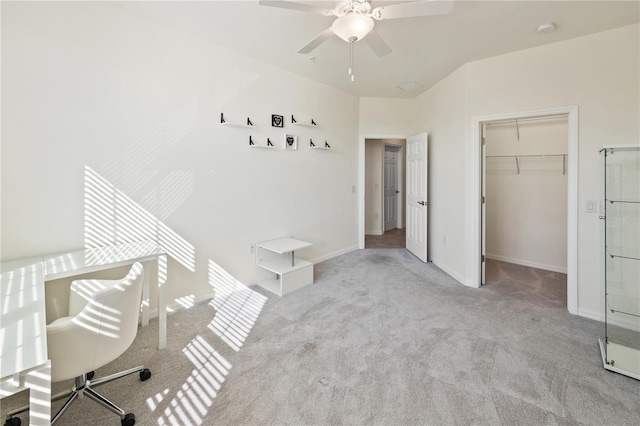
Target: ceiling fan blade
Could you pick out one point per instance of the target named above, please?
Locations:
(412, 9)
(295, 6)
(321, 38)
(377, 44)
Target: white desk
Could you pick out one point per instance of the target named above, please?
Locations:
(23, 334)
(23, 338)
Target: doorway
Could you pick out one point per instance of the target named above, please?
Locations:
(478, 194)
(525, 212)
(384, 194)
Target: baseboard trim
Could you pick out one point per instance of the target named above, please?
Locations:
(629, 324)
(334, 254)
(449, 271)
(527, 263)
(185, 302)
(586, 313)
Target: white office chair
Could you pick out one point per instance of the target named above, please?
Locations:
(101, 325)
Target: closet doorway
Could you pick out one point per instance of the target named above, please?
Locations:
(525, 209)
(384, 193)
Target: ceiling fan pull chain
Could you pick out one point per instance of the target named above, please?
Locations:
(352, 41)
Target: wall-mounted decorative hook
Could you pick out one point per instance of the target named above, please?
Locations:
(293, 120)
(251, 141)
(313, 122)
(249, 123)
(326, 145)
(269, 142)
(222, 118)
(311, 142)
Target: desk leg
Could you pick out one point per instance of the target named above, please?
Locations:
(144, 308)
(39, 384)
(162, 301)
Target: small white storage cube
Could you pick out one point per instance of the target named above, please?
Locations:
(278, 256)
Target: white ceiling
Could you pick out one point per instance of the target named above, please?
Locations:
(425, 49)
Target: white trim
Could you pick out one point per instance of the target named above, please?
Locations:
(572, 197)
(628, 322)
(543, 266)
(448, 271)
(592, 315)
(177, 306)
(334, 254)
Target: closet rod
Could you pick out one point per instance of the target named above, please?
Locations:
(520, 120)
(527, 155)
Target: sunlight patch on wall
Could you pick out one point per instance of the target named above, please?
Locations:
(237, 307)
(132, 171)
(111, 217)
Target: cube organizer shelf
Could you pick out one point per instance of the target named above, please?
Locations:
(278, 256)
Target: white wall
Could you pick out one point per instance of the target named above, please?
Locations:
(380, 118)
(526, 206)
(599, 73)
(110, 132)
(387, 118)
(441, 112)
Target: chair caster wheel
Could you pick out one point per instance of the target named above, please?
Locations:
(13, 421)
(90, 375)
(129, 420)
(145, 374)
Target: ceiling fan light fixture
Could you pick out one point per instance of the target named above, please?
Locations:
(352, 25)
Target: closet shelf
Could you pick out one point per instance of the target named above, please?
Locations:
(516, 166)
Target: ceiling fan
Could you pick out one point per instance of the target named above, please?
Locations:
(355, 19)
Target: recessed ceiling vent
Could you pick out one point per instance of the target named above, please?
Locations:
(410, 85)
(546, 28)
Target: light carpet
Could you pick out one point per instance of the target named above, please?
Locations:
(379, 338)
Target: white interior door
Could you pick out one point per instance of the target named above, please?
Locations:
(391, 190)
(417, 195)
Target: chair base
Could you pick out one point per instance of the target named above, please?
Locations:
(85, 386)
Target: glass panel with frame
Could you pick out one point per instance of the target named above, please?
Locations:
(620, 344)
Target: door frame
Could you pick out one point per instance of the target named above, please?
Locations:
(572, 194)
(361, 181)
(400, 187)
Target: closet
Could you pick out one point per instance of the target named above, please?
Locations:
(526, 192)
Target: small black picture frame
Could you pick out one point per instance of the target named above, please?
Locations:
(290, 142)
(277, 120)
